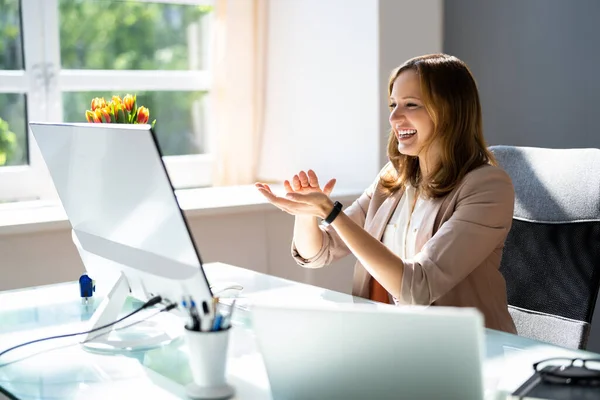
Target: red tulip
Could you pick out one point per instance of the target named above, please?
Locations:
(106, 114)
(143, 115)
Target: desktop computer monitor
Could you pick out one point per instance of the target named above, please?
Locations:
(126, 222)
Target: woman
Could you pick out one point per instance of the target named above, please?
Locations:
(431, 228)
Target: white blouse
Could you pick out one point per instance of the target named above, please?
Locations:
(401, 231)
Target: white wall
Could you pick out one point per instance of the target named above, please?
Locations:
(322, 90)
(406, 29)
(258, 240)
(329, 62)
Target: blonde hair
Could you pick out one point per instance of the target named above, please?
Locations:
(450, 96)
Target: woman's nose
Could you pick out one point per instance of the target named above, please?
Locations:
(396, 115)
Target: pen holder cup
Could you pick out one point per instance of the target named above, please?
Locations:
(208, 361)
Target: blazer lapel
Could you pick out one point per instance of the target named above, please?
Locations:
(377, 225)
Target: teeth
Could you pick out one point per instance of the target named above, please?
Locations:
(407, 132)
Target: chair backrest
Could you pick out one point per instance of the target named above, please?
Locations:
(551, 259)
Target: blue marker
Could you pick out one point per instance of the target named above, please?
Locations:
(217, 323)
(87, 287)
(196, 320)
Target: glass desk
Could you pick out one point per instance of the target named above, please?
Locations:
(61, 369)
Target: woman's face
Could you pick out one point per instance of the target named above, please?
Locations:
(409, 119)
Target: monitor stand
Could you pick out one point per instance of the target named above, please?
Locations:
(158, 331)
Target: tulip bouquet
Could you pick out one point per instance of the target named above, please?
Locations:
(118, 111)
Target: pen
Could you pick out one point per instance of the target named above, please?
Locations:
(217, 324)
(186, 306)
(197, 321)
(207, 319)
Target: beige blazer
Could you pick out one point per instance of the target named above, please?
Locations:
(458, 246)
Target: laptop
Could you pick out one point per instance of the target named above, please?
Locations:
(358, 351)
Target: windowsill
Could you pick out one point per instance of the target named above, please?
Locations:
(39, 216)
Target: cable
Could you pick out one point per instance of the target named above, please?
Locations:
(165, 309)
(153, 301)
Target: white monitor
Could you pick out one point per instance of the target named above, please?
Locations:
(126, 221)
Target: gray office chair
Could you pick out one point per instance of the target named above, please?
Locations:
(551, 259)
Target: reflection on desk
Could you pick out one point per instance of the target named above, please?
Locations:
(66, 371)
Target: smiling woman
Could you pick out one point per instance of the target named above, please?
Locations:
(431, 228)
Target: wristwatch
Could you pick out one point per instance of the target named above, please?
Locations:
(337, 208)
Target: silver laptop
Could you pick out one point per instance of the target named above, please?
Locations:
(358, 351)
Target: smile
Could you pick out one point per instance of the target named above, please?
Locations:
(406, 133)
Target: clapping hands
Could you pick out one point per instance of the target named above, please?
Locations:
(304, 195)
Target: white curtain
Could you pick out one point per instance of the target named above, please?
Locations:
(239, 62)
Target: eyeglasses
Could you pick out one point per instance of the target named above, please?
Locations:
(569, 371)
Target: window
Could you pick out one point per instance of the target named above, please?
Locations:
(56, 55)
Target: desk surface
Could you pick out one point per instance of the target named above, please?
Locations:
(63, 370)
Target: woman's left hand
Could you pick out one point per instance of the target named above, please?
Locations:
(316, 204)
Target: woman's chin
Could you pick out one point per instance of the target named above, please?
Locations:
(407, 150)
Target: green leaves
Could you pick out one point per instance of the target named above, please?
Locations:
(8, 142)
(121, 115)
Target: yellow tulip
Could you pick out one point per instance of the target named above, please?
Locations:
(98, 102)
(129, 102)
(106, 114)
(97, 115)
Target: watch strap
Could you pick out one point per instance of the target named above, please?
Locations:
(337, 208)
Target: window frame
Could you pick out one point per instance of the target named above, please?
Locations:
(43, 82)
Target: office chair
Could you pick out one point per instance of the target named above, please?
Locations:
(551, 258)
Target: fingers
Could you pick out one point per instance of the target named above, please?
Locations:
(289, 206)
(265, 191)
(328, 188)
(264, 186)
(307, 180)
(313, 181)
(296, 183)
(269, 195)
(288, 187)
(303, 179)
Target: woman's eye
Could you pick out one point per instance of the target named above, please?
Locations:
(411, 105)
(392, 105)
